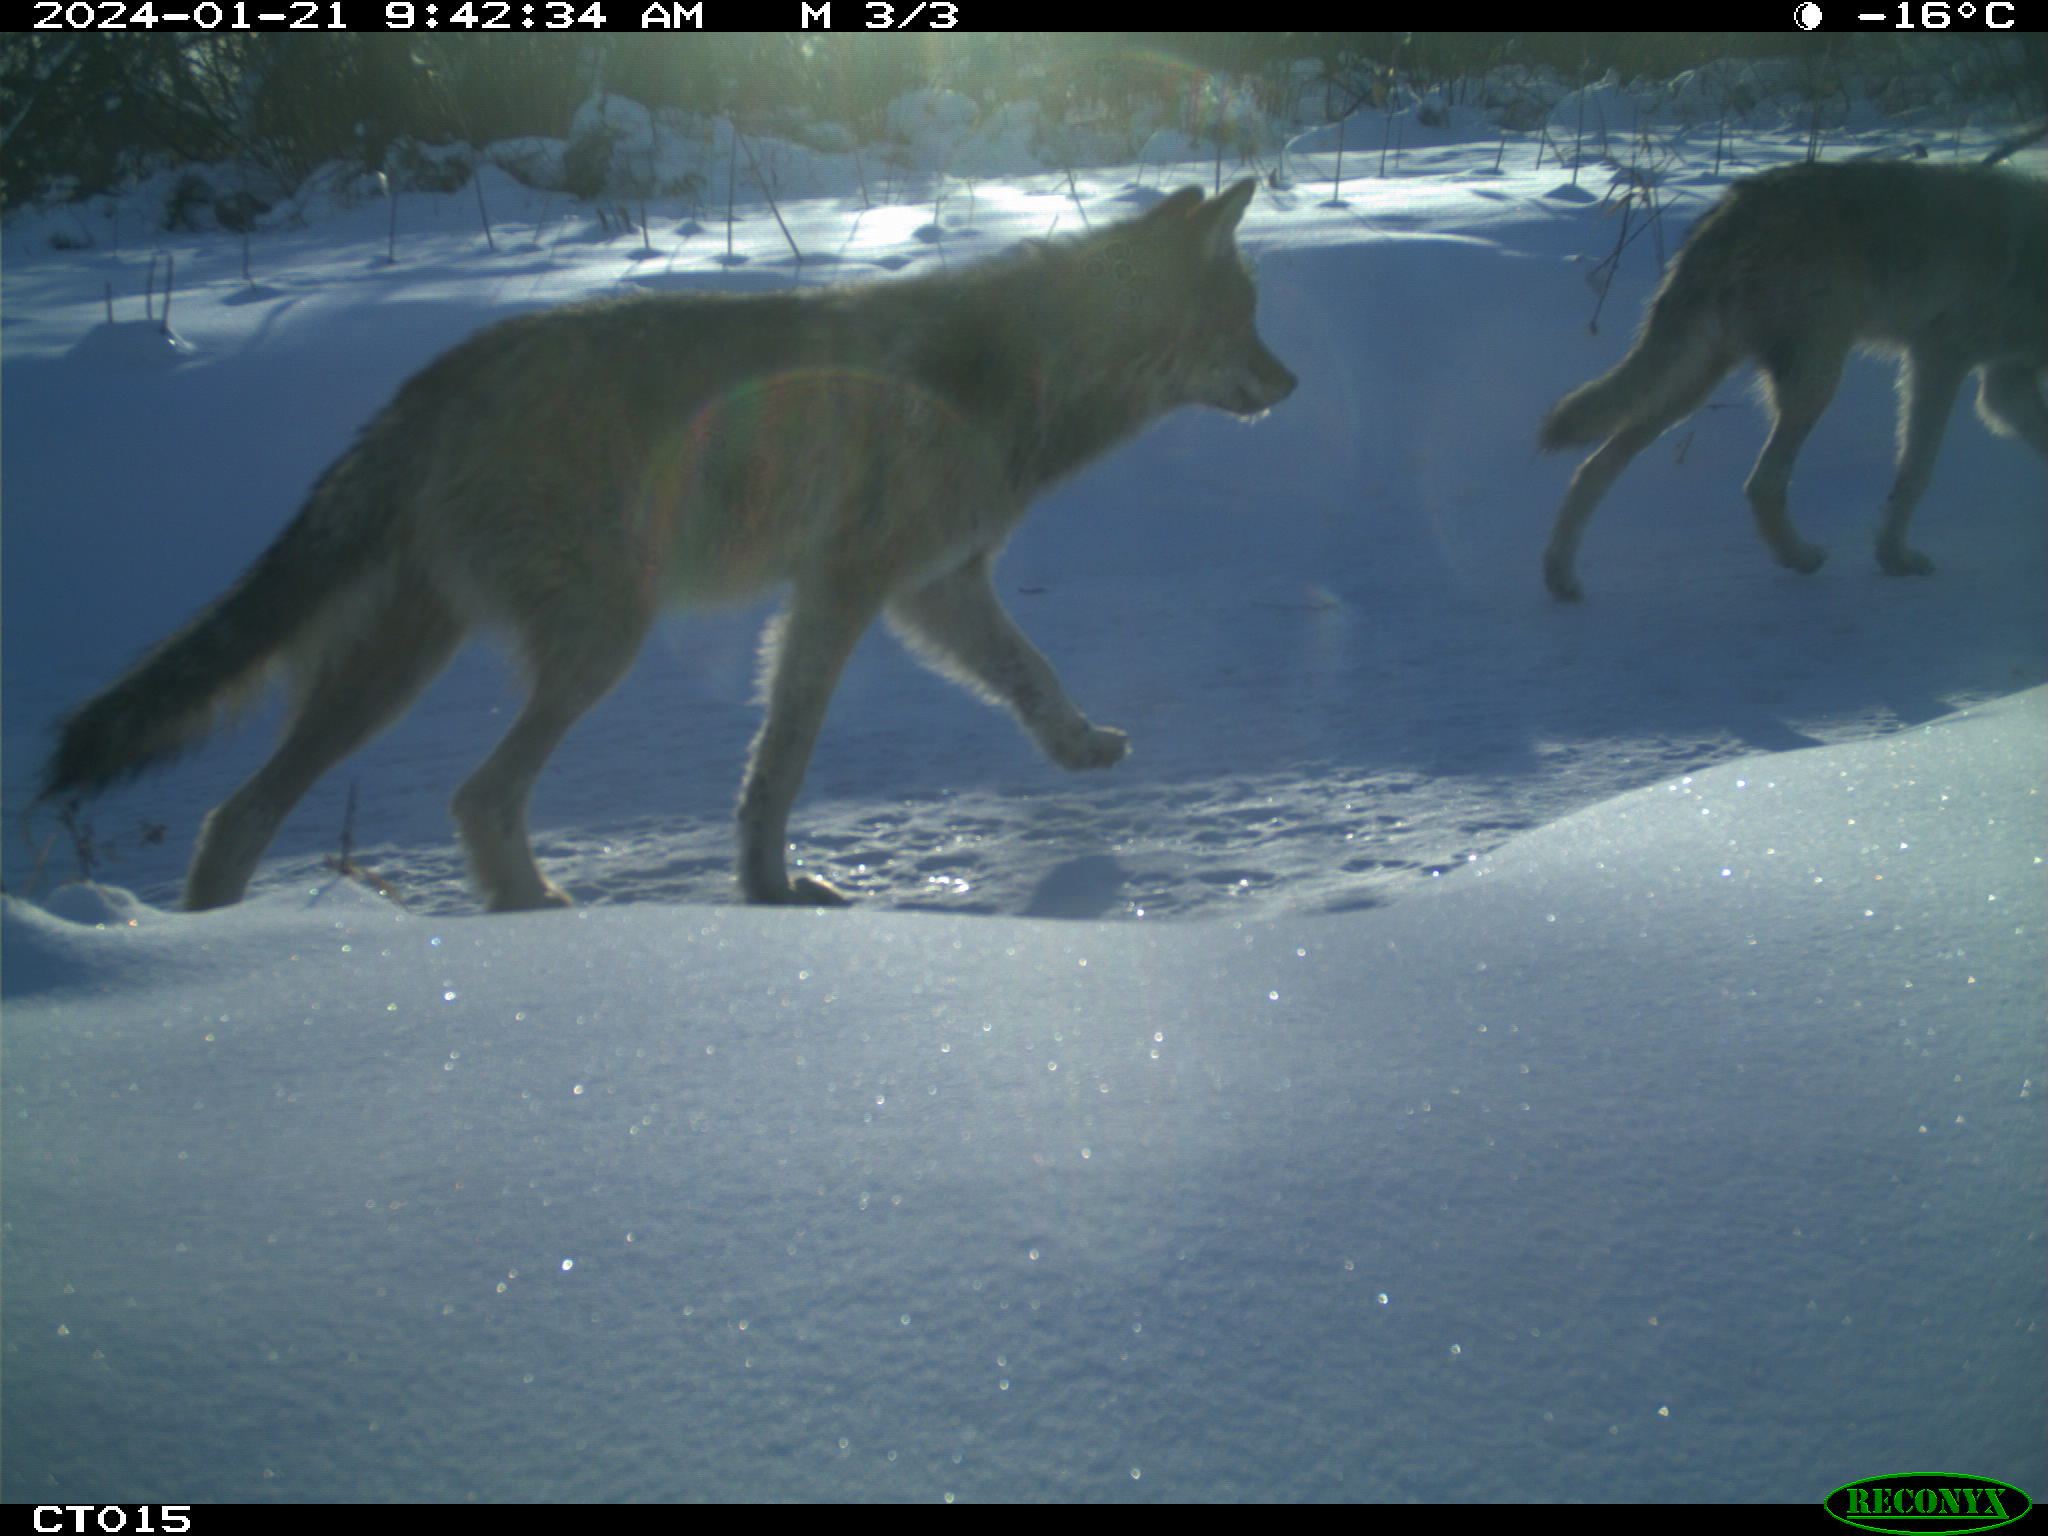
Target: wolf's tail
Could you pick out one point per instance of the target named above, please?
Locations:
(179, 691)
(1677, 357)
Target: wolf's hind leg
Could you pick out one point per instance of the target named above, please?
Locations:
(570, 667)
(2009, 400)
(1928, 382)
(348, 695)
(1801, 379)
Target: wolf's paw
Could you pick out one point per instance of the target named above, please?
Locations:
(546, 898)
(1901, 561)
(1559, 577)
(1803, 558)
(810, 891)
(803, 891)
(1564, 586)
(1101, 746)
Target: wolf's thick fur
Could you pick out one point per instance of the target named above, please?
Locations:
(1946, 265)
(561, 476)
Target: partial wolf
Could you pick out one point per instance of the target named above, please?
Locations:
(560, 476)
(1944, 264)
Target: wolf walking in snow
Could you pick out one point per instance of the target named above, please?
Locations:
(563, 475)
(1946, 265)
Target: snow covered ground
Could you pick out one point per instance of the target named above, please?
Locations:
(1531, 1076)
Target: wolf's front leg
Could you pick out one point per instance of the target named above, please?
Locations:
(805, 652)
(956, 623)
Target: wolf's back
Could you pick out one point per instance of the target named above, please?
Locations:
(175, 695)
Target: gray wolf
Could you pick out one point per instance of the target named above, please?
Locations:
(1946, 265)
(560, 476)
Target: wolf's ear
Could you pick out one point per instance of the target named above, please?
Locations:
(1214, 223)
(1178, 206)
(1228, 206)
(1210, 223)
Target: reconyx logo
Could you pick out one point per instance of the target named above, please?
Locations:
(1927, 1501)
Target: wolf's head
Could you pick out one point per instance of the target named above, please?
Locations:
(1192, 297)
